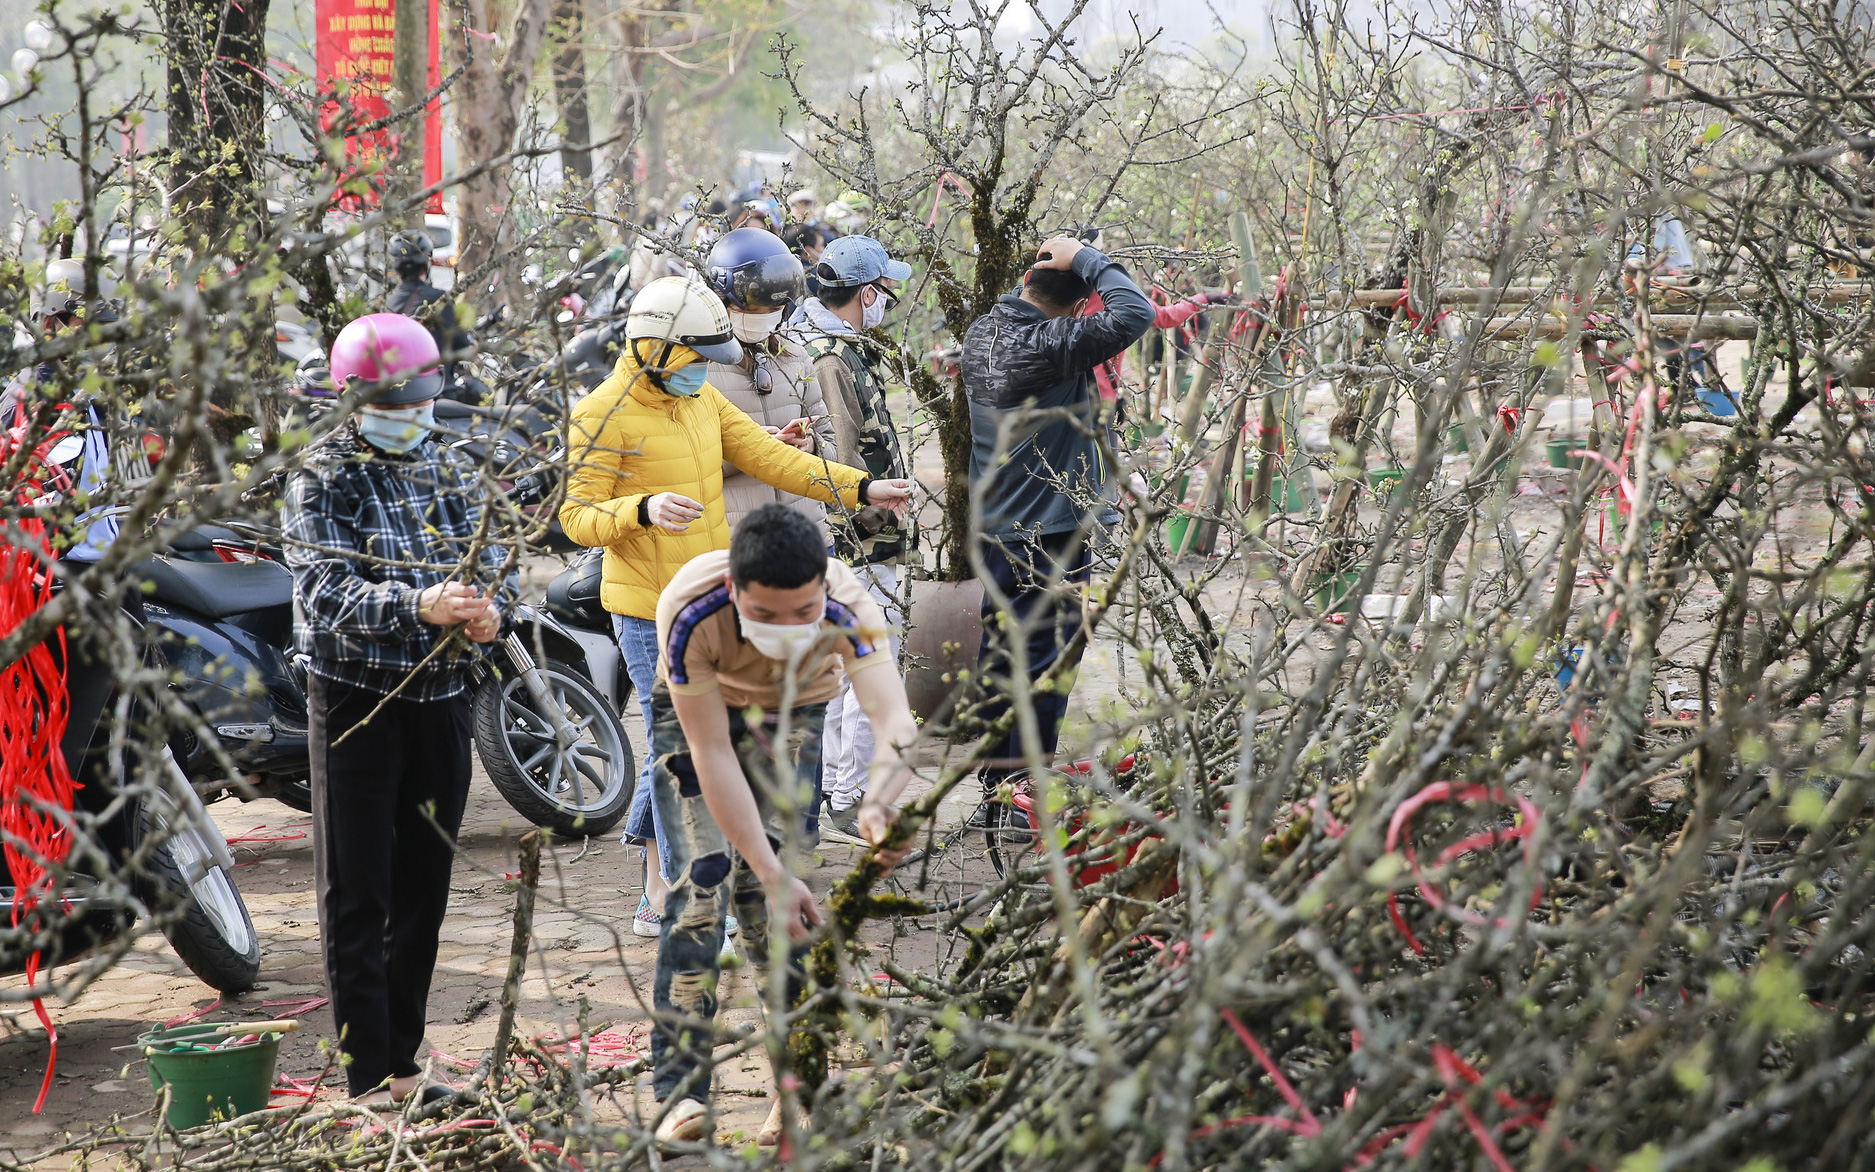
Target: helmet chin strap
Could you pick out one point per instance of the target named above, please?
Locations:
(656, 370)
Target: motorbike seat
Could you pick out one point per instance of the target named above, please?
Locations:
(200, 539)
(218, 589)
(573, 595)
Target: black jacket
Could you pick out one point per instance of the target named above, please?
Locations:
(1029, 380)
(415, 297)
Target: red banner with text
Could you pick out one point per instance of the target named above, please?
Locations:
(355, 53)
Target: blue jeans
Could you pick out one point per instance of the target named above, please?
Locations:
(708, 878)
(638, 642)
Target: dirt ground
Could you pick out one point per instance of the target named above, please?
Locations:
(596, 882)
(593, 887)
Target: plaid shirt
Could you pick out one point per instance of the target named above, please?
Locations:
(366, 533)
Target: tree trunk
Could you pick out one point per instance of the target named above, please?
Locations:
(217, 131)
(409, 83)
(569, 88)
(217, 118)
(488, 113)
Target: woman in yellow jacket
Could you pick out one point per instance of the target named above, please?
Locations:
(645, 481)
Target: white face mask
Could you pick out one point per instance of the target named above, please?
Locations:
(754, 327)
(788, 642)
(871, 317)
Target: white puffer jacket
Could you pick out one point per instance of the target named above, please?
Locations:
(791, 396)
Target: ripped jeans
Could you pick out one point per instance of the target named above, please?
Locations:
(707, 876)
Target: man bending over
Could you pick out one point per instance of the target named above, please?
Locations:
(752, 643)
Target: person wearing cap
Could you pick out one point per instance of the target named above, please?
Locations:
(1038, 475)
(645, 464)
(394, 584)
(804, 208)
(857, 278)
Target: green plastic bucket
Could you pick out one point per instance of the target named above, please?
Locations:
(1455, 439)
(205, 1084)
(1559, 449)
(1385, 481)
(1175, 530)
(1334, 593)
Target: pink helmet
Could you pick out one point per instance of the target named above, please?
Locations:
(392, 351)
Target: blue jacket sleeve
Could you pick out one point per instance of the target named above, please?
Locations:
(1075, 345)
(330, 592)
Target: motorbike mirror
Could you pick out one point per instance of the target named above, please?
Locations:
(66, 450)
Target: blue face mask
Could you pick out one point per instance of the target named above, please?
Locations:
(396, 429)
(687, 381)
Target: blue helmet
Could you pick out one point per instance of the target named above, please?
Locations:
(752, 270)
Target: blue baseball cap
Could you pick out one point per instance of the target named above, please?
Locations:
(858, 260)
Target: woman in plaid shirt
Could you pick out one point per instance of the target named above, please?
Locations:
(386, 546)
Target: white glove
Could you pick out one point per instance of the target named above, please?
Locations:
(673, 511)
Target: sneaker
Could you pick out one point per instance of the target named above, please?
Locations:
(730, 926)
(842, 825)
(989, 815)
(684, 1123)
(646, 922)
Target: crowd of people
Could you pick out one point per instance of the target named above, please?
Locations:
(743, 472)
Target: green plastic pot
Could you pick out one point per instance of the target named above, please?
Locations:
(1176, 529)
(1455, 439)
(1559, 449)
(204, 1084)
(1385, 481)
(1334, 593)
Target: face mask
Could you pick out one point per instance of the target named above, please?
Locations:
(754, 327)
(788, 642)
(871, 317)
(685, 382)
(396, 429)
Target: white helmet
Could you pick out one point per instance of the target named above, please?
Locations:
(684, 312)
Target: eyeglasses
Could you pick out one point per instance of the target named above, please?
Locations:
(891, 298)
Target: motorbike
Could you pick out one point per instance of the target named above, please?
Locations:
(185, 871)
(545, 700)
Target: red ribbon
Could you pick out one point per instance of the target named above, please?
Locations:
(1432, 893)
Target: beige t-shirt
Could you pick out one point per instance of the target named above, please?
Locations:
(701, 648)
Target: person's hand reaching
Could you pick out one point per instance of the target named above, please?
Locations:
(673, 511)
(890, 494)
(875, 823)
(795, 904)
(798, 435)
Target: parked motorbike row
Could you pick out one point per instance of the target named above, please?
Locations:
(217, 607)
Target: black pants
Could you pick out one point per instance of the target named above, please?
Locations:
(1025, 572)
(382, 865)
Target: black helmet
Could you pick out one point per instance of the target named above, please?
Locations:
(752, 270)
(412, 250)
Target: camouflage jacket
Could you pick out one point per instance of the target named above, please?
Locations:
(864, 437)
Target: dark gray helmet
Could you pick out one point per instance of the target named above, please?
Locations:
(411, 250)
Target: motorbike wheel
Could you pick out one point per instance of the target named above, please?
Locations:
(296, 794)
(214, 936)
(584, 789)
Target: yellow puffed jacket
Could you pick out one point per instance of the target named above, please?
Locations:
(629, 440)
